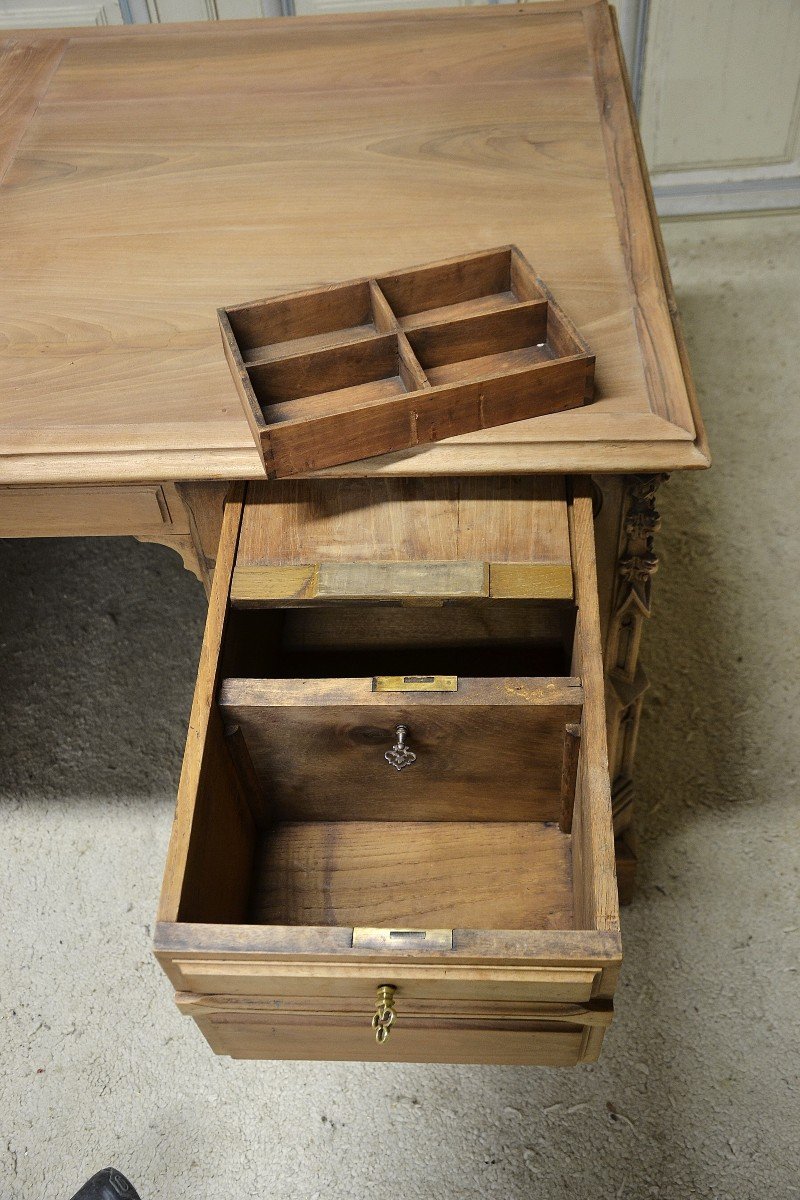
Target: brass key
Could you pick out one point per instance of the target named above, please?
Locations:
(385, 1015)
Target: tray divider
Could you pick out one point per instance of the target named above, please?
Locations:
(382, 313)
(296, 347)
(484, 306)
(411, 372)
(487, 333)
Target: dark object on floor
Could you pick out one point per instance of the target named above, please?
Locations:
(108, 1184)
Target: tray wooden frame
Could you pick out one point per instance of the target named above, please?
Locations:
(332, 375)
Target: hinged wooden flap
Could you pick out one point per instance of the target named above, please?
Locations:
(323, 749)
(403, 541)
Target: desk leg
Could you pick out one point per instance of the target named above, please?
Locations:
(626, 526)
(203, 504)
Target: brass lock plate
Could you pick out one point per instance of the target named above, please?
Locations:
(367, 937)
(415, 683)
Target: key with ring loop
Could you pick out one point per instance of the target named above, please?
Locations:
(384, 1016)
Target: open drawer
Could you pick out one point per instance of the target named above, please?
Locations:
(390, 805)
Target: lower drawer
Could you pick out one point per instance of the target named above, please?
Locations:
(418, 1037)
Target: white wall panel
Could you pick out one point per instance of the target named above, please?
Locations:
(31, 14)
(307, 7)
(627, 10)
(720, 104)
(202, 10)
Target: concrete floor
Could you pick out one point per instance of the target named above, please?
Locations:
(696, 1094)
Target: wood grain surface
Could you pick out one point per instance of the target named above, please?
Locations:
(414, 875)
(596, 897)
(152, 174)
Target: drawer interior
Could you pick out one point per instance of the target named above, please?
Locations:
(397, 875)
(490, 639)
(329, 833)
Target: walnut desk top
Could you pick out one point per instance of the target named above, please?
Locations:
(150, 174)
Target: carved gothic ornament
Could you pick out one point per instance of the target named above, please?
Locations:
(638, 561)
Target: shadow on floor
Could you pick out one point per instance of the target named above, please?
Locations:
(99, 640)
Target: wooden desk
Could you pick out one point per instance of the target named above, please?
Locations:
(150, 174)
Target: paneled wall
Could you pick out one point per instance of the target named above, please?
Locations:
(720, 104)
(39, 14)
(27, 14)
(197, 10)
(302, 7)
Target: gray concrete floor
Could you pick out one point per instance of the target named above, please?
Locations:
(696, 1094)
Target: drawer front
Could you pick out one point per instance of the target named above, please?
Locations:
(359, 981)
(319, 746)
(84, 511)
(419, 1039)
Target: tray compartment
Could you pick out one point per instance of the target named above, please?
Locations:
(471, 284)
(484, 345)
(423, 354)
(303, 322)
(325, 382)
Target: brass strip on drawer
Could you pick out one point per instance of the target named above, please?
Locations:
(254, 584)
(415, 683)
(534, 581)
(366, 937)
(398, 580)
(402, 581)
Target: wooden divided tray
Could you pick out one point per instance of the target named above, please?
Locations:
(344, 372)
